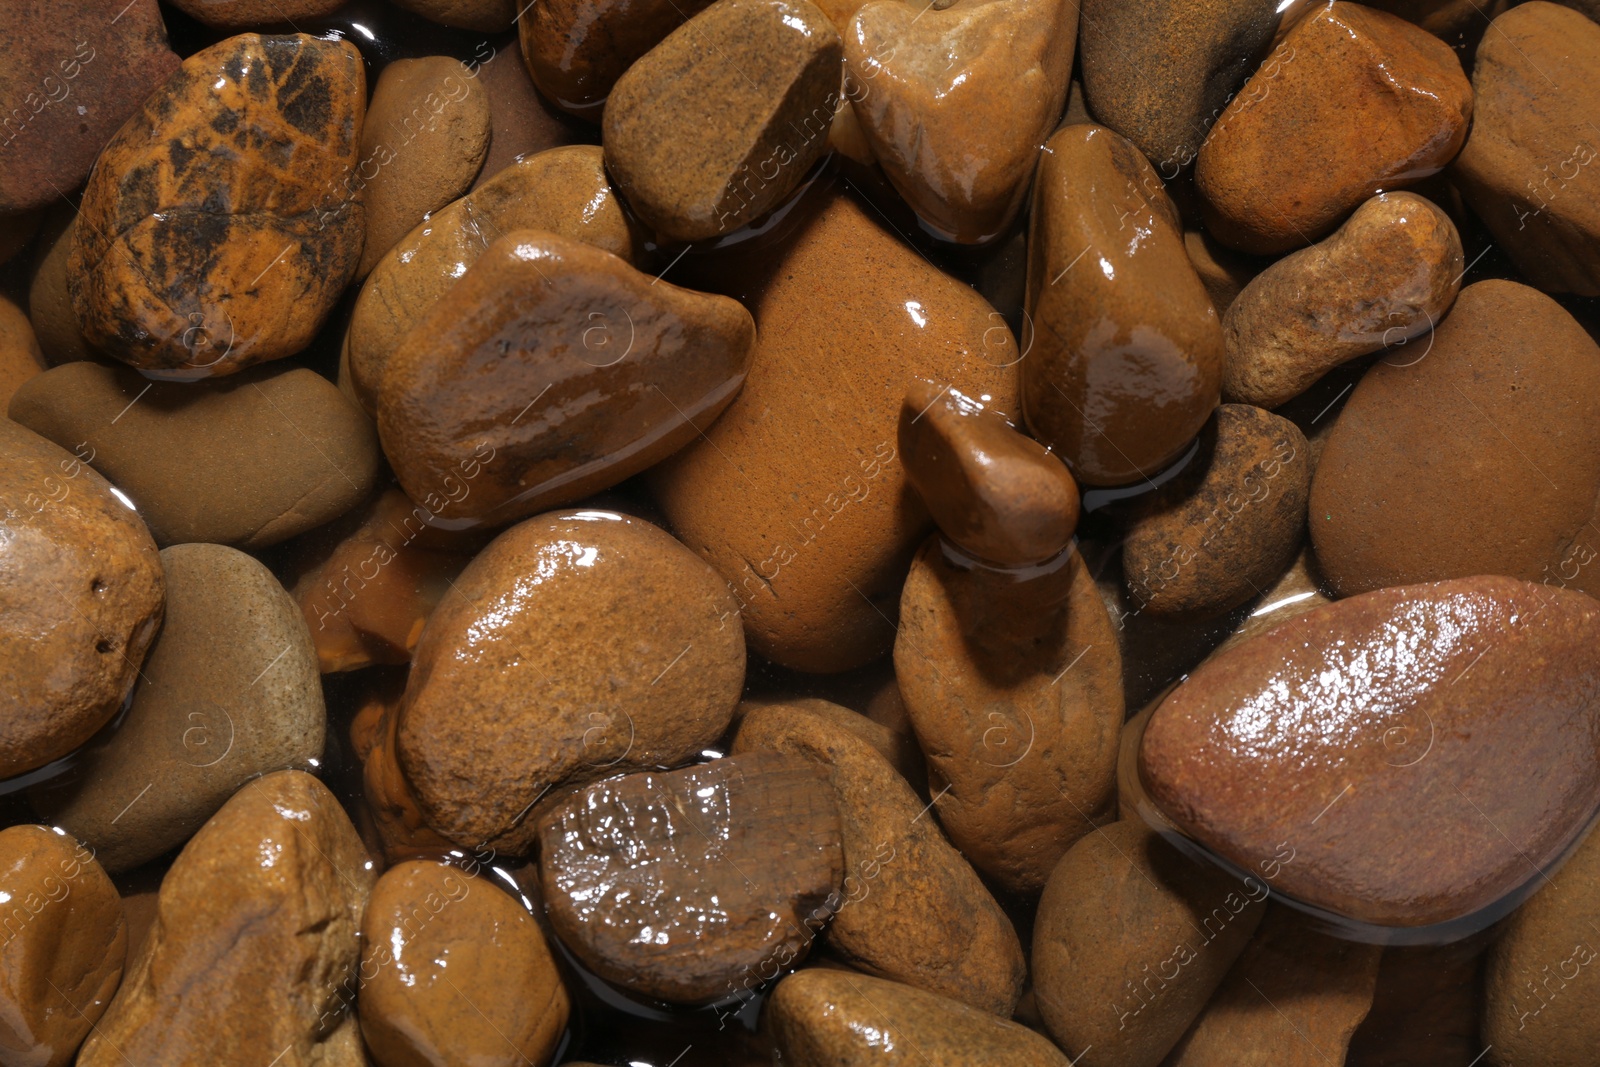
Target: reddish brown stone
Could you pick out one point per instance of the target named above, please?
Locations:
(248, 14)
(523, 122)
(20, 358)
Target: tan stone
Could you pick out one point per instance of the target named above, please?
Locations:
(55, 323)
(524, 122)
(20, 358)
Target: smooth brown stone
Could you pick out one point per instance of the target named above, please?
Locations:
(1353, 102)
(398, 821)
(796, 494)
(255, 933)
(81, 598)
(1296, 591)
(1426, 1009)
(20, 358)
(55, 322)
(71, 73)
(1367, 732)
(993, 491)
(722, 119)
(1126, 350)
(1223, 272)
(425, 136)
(282, 450)
(485, 16)
(1160, 73)
(826, 1018)
(583, 644)
(248, 14)
(1013, 682)
(1530, 167)
(1221, 531)
(1540, 1005)
(1458, 23)
(890, 734)
(455, 970)
(1293, 999)
(524, 122)
(1123, 908)
(160, 277)
(554, 370)
(1388, 275)
(577, 49)
(229, 692)
(563, 191)
(913, 910)
(1504, 406)
(64, 945)
(644, 876)
(955, 100)
(366, 596)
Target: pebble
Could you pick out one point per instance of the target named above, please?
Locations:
(283, 450)
(1442, 984)
(255, 935)
(81, 597)
(554, 370)
(1126, 351)
(1160, 73)
(55, 323)
(995, 492)
(828, 1018)
(524, 122)
(1013, 681)
(721, 120)
(563, 191)
(1352, 102)
(72, 72)
(955, 100)
(485, 16)
(577, 49)
(229, 692)
(1529, 168)
(1389, 274)
(810, 527)
(20, 358)
(1540, 1004)
(913, 909)
(1373, 732)
(1293, 999)
(64, 948)
(645, 876)
(583, 644)
(1220, 532)
(164, 281)
(455, 970)
(244, 14)
(1223, 272)
(1504, 406)
(1131, 940)
(425, 136)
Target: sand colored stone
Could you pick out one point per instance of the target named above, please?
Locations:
(216, 231)
(524, 122)
(20, 358)
(55, 323)
(1223, 271)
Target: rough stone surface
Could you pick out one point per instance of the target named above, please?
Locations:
(216, 231)
(577, 49)
(1369, 731)
(1125, 358)
(247, 957)
(20, 358)
(1353, 101)
(230, 691)
(248, 461)
(80, 600)
(552, 371)
(1389, 274)
(722, 119)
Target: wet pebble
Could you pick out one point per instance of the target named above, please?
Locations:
(577, 49)
(20, 358)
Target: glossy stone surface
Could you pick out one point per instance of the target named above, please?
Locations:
(1371, 732)
(577, 49)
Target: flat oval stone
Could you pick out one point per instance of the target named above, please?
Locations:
(64, 948)
(644, 876)
(230, 692)
(1387, 275)
(1354, 102)
(828, 1018)
(454, 969)
(256, 932)
(722, 119)
(577, 49)
(81, 597)
(1370, 732)
(217, 232)
(553, 370)
(913, 909)
(955, 100)
(1504, 406)
(1013, 683)
(563, 191)
(284, 450)
(1125, 356)
(20, 358)
(583, 644)
(1529, 167)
